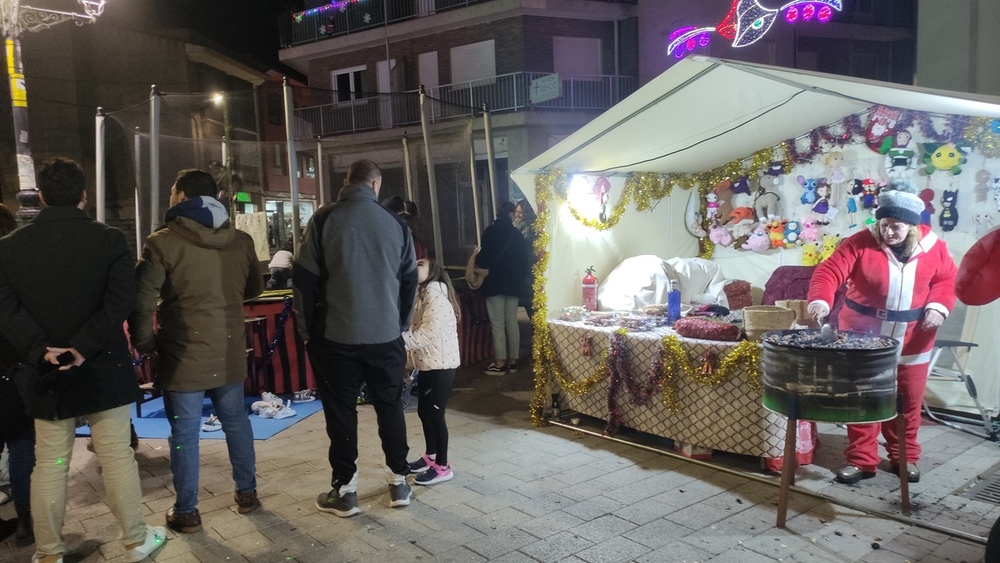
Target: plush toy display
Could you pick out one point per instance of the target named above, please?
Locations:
(829, 245)
(776, 232)
(711, 205)
(821, 209)
(899, 154)
(758, 241)
(927, 195)
(949, 214)
(791, 233)
(835, 167)
(809, 185)
(947, 157)
(809, 232)
(881, 126)
(983, 178)
(719, 234)
(810, 254)
(984, 222)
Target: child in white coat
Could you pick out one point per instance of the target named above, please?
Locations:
(432, 348)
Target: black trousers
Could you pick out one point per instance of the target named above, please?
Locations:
(340, 369)
(433, 390)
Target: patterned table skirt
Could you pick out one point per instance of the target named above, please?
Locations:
(728, 417)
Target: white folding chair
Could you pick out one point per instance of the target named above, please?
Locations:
(945, 372)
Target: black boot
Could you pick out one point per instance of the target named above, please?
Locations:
(25, 529)
(7, 527)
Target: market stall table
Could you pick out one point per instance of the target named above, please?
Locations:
(727, 417)
(287, 370)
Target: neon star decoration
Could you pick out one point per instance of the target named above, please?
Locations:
(748, 21)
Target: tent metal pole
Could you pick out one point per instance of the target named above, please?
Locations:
(475, 188)
(138, 201)
(406, 168)
(490, 159)
(100, 184)
(431, 180)
(154, 158)
(293, 164)
(320, 173)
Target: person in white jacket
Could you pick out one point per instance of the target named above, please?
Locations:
(432, 348)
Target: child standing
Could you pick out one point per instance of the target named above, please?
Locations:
(432, 348)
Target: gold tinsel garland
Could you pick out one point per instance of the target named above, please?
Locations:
(676, 362)
(542, 351)
(979, 133)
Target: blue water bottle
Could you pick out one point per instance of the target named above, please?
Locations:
(673, 303)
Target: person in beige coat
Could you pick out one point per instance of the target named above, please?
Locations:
(201, 268)
(432, 348)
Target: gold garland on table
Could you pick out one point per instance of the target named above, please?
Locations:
(675, 362)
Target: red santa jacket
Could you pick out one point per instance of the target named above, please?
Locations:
(878, 280)
(978, 281)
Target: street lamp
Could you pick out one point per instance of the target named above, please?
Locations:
(14, 19)
(227, 151)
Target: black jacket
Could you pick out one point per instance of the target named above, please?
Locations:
(68, 281)
(505, 254)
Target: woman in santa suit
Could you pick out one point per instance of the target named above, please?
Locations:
(978, 281)
(901, 284)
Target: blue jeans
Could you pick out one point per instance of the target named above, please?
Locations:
(184, 411)
(21, 448)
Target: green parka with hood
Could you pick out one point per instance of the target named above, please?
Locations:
(201, 268)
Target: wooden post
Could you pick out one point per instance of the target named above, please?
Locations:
(788, 467)
(904, 472)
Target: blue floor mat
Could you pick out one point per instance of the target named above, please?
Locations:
(153, 423)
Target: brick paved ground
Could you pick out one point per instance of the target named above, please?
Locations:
(538, 494)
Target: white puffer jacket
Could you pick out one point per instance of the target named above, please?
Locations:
(432, 341)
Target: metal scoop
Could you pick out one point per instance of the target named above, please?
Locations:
(828, 334)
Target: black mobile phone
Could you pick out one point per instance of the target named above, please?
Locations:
(66, 358)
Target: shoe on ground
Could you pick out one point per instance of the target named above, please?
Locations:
(25, 534)
(850, 474)
(269, 397)
(211, 424)
(156, 536)
(257, 406)
(247, 502)
(511, 367)
(434, 474)
(494, 369)
(184, 523)
(4, 497)
(912, 471)
(283, 411)
(343, 505)
(421, 464)
(37, 558)
(304, 396)
(7, 528)
(399, 495)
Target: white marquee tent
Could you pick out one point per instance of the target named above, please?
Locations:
(703, 113)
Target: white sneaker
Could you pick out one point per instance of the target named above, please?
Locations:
(257, 405)
(155, 538)
(283, 411)
(212, 424)
(269, 397)
(268, 412)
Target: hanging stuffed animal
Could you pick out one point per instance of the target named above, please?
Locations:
(984, 222)
(719, 234)
(809, 185)
(829, 245)
(766, 201)
(947, 157)
(927, 195)
(949, 214)
(742, 186)
(983, 178)
(711, 205)
(810, 254)
(996, 191)
(852, 210)
(776, 232)
(791, 233)
(758, 241)
(882, 123)
(602, 190)
(822, 211)
(868, 193)
(809, 231)
(835, 167)
(899, 154)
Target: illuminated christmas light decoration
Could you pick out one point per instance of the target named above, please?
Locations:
(335, 5)
(752, 23)
(747, 21)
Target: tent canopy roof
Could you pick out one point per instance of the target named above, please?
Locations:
(704, 112)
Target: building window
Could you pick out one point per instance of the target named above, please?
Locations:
(307, 166)
(279, 219)
(576, 55)
(427, 64)
(476, 61)
(278, 159)
(275, 109)
(349, 83)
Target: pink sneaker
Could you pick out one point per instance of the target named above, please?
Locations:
(434, 474)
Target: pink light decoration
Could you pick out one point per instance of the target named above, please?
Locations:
(335, 5)
(792, 15)
(808, 11)
(825, 13)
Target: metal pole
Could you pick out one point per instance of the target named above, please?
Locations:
(293, 164)
(154, 158)
(432, 182)
(406, 168)
(138, 182)
(100, 185)
(320, 173)
(475, 189)
(27, 195)
(490, 159)
(228, 156)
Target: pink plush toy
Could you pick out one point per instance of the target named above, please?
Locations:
(808, 232)
(720, 235)
(758, 241)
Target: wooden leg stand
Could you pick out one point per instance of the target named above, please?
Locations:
(788, 467)
(904, 473)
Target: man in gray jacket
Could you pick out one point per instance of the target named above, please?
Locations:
(354, 281)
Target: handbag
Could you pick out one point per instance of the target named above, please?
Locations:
(474, 276)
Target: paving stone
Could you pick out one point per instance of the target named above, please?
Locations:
(676, 552)
(551, 523)
(602, 528)
(613, 550)
(440, 542)
(742, 555)
(657, 533)
(500, 542)
(556, 547)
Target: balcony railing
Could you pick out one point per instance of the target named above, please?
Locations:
(504, 93)
(331, 20)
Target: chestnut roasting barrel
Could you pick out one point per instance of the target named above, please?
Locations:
(829, 384)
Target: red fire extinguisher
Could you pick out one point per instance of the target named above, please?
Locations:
(590, 290)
